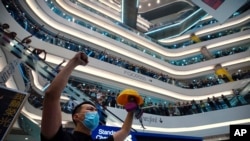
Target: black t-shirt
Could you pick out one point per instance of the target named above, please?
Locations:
(76, 136)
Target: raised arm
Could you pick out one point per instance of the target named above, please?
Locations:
(126, 127)
(51, 116)
(131, 100)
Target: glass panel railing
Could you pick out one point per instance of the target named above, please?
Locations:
(33, 129)
(76, 91)
(177, 28)
(106, 96)
(44, 69)
(215, 54)
(200, 24)
(53, 38)
(139, 47)
(245, 90)
(30, 127)
(59, 40)
(211, 36)
(114, 35)
(36, 63)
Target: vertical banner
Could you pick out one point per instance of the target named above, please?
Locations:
(11, 103)
(221, 10)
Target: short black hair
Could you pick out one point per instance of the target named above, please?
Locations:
(77, 108)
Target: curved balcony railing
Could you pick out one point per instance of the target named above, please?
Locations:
(46, 36)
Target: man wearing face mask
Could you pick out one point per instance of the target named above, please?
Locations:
(85, 115)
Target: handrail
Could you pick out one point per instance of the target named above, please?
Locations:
(37, 64)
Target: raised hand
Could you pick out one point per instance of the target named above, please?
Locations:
(81, 58)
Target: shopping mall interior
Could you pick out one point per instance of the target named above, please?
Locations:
(188, 59)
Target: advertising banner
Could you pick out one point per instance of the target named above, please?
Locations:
(221, 10)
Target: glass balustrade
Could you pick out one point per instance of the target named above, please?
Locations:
(53, 38)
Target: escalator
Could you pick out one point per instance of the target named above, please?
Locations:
(178, 28)
(30, 125)
(9, 43)
(41, 67)
(242, 96)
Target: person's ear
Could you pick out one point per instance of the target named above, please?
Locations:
(75, 117)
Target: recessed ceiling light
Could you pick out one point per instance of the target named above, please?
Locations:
(149, 4)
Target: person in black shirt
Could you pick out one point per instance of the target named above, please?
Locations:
(84, 116)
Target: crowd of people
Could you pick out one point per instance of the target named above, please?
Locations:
(188, 84)
(85, 116)
(107, 98)
(109, 58)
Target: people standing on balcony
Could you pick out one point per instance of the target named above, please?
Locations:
(211, 104)
(226, 101)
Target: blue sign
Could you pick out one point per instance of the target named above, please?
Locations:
(103, 132)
